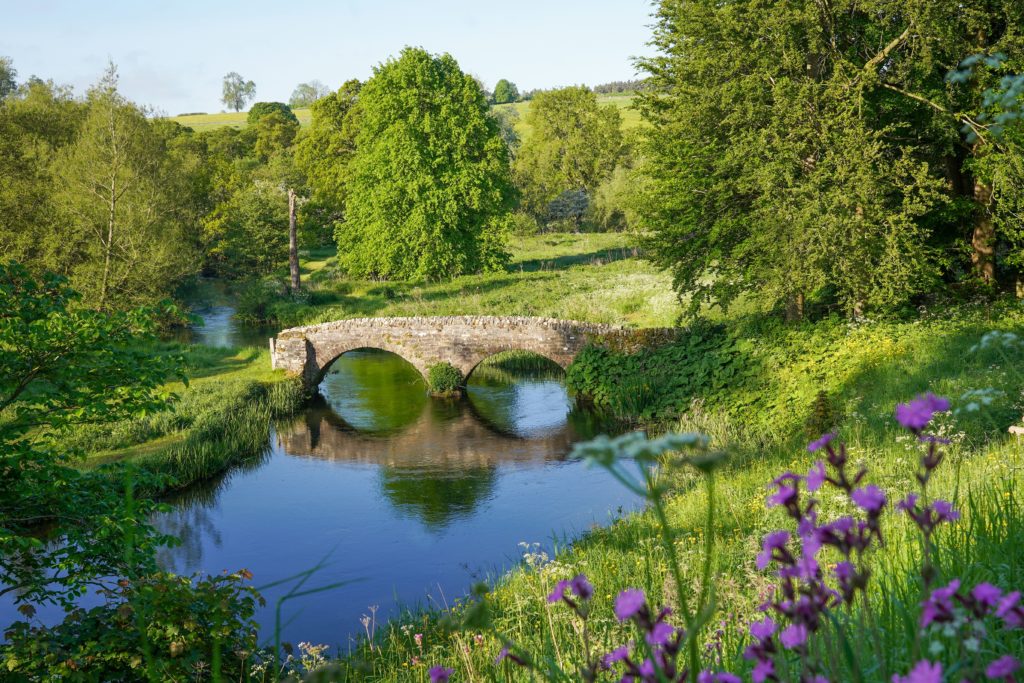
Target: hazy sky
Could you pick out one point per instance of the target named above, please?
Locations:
(173, 55)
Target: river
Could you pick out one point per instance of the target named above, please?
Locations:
(407, 499)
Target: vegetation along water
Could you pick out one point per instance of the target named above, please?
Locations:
(796, 458)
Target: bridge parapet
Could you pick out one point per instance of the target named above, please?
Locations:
(463, 341)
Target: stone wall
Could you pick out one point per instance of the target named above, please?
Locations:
(463, 341)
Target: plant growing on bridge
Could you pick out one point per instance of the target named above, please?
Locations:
(444, 379)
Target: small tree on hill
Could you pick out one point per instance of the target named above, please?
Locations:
(505, 91)
(8, 74)
(261, 109)
(237, 91)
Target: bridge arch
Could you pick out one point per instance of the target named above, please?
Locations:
(513, 364)
(325, 369)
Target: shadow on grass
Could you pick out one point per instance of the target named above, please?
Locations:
(599, 257)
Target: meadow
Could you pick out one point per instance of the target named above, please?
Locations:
(201, 122)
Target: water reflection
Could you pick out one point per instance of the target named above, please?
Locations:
(412, 496)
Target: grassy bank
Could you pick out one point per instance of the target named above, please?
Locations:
(595, 277)
(763, 418)
(222, 417)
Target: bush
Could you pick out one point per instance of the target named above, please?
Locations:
(444, 378)
(261, 109)
(523, 224)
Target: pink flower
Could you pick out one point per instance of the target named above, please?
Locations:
(1004, 667)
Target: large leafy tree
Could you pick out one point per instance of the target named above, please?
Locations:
(429, 189)
(812, 147)
(505, 91)
(574, 144)
(118, 191)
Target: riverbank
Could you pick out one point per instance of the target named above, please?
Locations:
(222, 417)
(798, 381)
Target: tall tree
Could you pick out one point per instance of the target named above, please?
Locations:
(430, 190)
(8, 77)
(237, 91)
(324, 153)
(118, 192)
(305, 94)
(806, 147)
(505, 91)
(573, 145)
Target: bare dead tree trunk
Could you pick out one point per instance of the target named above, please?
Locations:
(983, 238)
(293, 243)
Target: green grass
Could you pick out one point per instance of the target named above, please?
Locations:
(869, 368)
(201, 122)
(596, 277)
(221, 418)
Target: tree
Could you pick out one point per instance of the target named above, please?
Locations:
(247, 235)
(118, 192)
(261, 109)
(505, 92)
(798, 150)
(574, 144)
(429, 189)
(274, 133)
(237, 91)
(324, 153)
(8, 76)
(305, 94)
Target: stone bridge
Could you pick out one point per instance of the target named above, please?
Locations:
(463, 341)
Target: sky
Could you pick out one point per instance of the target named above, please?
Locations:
(173, 55)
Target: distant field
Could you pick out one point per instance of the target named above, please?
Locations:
(199, 122)
(234, 119)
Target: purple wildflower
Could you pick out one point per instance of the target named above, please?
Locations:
(659, 634)
(986, 594)
(1009, 610)
(908, 503)
(647, 669)
(1004, 667)
(870, 498)
(440, 674)
(793, 636)
(786, 494)
(944, 510)
(581, 587)
(616, 655)
(939, 605)
(924, 672)
(772, 542)
(820, 443)
(722, 677)
(559, 591)
(629, 602)
(763, 670)
(816, 477)
(763, 630)
(916, 414)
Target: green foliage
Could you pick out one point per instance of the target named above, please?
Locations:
(444, 378)
(237, 91)
(65, 367)
(157, 628)
(261, 109)
(8, 76)
(247, 235)
(305, 94)
(823, 418)
(274, 133)
(324, 153)
(429, 188)
(505, 92)
(784, 160)
(574, 145)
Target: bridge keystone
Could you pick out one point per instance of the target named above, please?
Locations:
(463, 341)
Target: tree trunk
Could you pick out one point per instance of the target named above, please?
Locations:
(795, 307)
(293, 243)
(983, 239)
(109, 246)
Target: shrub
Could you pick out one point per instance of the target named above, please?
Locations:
(444, 378)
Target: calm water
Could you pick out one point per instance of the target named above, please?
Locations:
(409, 499)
